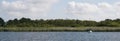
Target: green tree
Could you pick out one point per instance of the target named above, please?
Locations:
(2, 23)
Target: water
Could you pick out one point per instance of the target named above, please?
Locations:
(59, 36)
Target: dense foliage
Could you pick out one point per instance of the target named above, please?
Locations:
(26, 22)
(2, 23)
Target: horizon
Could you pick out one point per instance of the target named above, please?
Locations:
(57, 19)
(96, 10)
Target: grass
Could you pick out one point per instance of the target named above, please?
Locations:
(60, 29)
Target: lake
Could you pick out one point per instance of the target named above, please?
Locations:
(59, 36)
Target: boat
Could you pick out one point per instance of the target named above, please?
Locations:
(90, 31)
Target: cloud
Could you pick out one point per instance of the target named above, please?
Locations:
(99, 11)
(26, 8)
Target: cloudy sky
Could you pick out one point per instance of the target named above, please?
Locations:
(60, 9)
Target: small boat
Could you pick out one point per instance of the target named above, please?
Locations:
(90, 31)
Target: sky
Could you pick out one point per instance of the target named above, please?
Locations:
(96, 10)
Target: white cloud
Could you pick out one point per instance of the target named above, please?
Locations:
(99, 11)
(26, 8)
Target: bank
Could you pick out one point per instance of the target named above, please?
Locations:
(59, 29)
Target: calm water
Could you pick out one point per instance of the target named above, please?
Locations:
(59, 36)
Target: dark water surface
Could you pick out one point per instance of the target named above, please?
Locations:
(59, 36)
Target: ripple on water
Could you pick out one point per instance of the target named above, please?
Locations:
(59, 36)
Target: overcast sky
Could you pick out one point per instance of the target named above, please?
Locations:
(60, 9)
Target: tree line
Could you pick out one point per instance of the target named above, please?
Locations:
(27, 22)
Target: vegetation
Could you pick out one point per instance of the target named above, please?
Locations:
(26, 24)
(2, 23)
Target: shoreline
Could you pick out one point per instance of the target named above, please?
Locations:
(59, 29)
